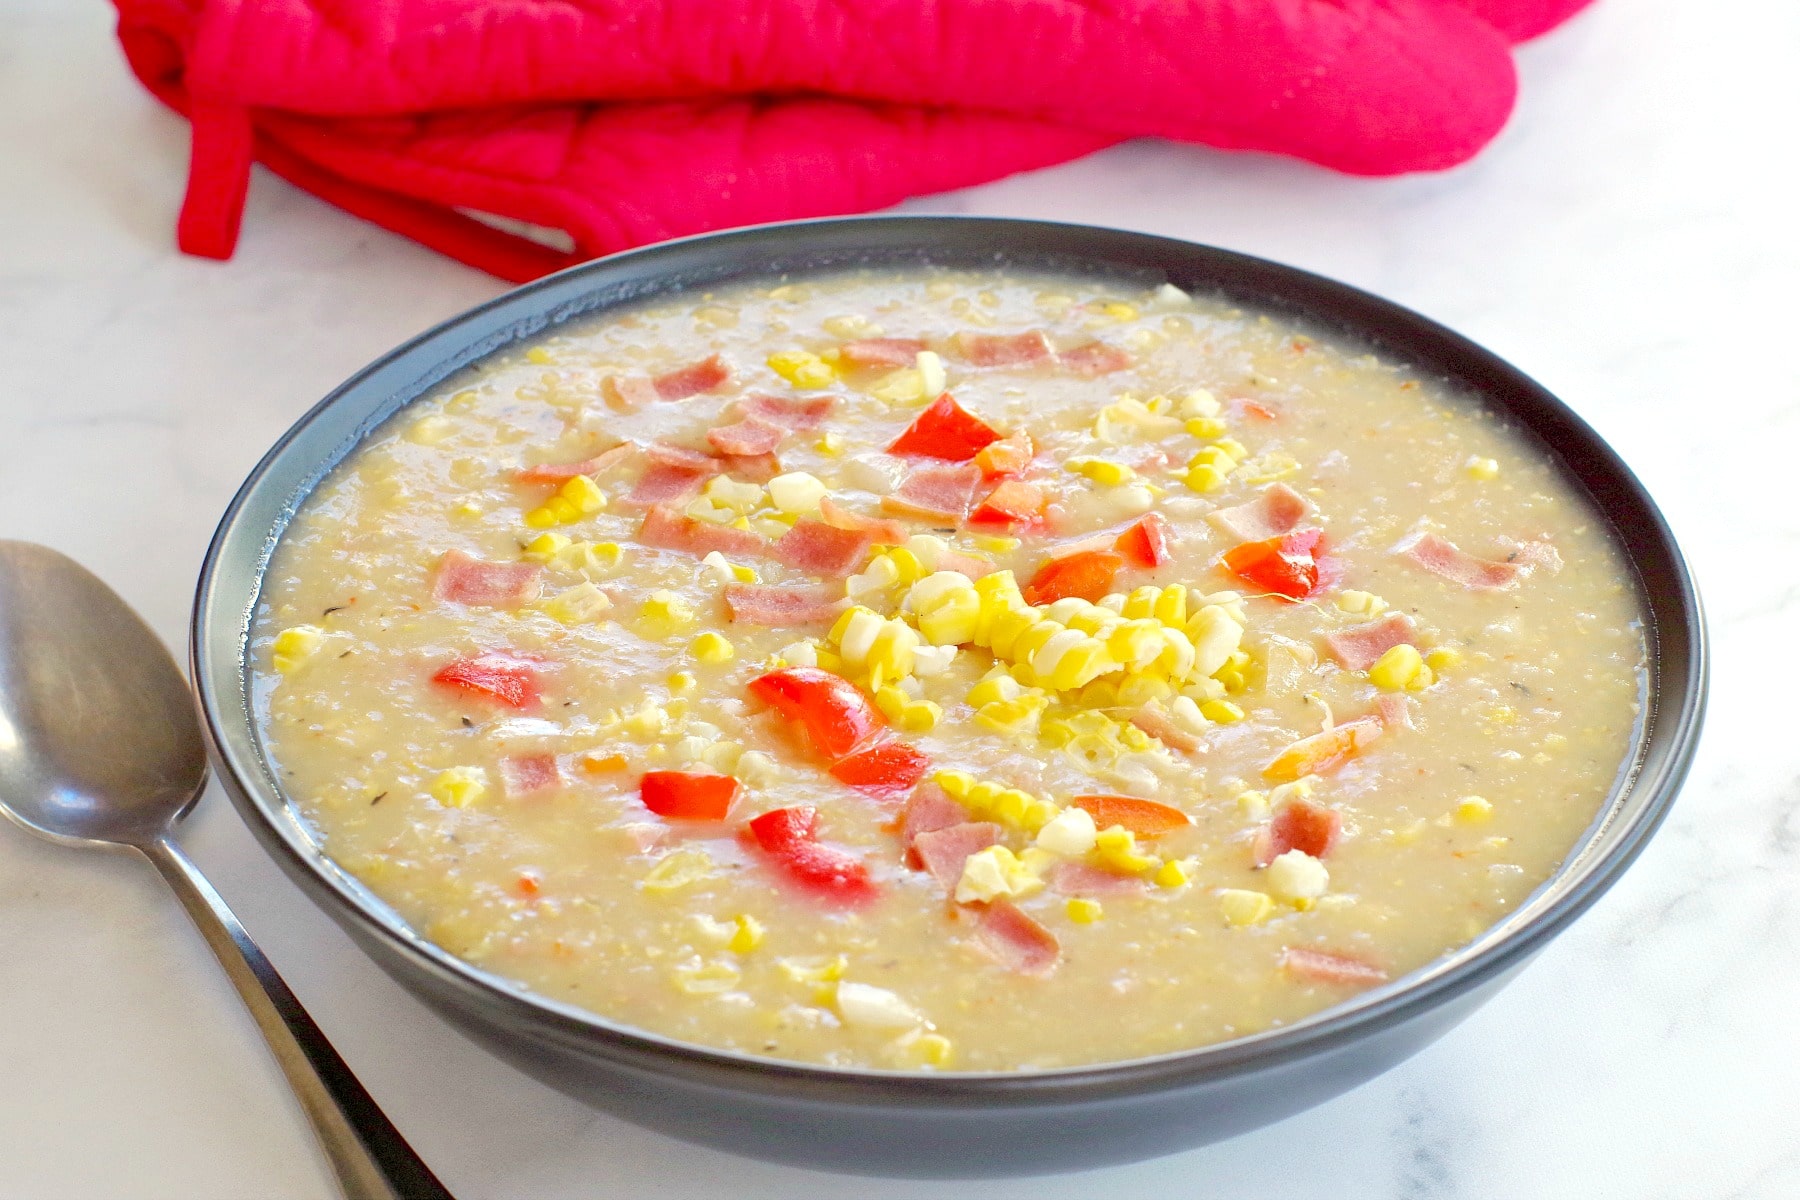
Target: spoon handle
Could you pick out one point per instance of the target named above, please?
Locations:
(370, 1158)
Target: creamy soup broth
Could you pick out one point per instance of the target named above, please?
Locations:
(1412, 669)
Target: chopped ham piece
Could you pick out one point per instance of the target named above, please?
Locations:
(667, 482)
(750, 436)
(563, 472)
(680, 456)
(1394, 711)
(1081, 879)
(1095, 358)
(779, 607)
(1004, 349)
(881, 352)
(789, 412)
(942, 852)
(1322, 966)
(526, 774)
(1361, 646)
(933, 492)
(1278, 509)
(708, 375)
(881, 531)
(1441, 557)
(821, 549)
(1299, 825)
(465, 579)
(929, 808)
(1156, 723)
(751, 468)
(1017, 941)
(670, 530)
(629, 392)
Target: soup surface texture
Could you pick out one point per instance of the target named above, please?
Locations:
(943, 670)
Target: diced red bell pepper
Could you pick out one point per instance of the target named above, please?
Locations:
(1146, 818)
(1287, 566)
(1008, 456)
(833, 711)
(789, 837)
(685, 796)
(886, 769)
(1087, 574)
(945, 430)
(497, 677)
(1146, 542)
(1010, 505)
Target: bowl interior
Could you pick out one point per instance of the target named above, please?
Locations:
(239, 555)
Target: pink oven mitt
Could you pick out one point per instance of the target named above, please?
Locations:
(610, 123)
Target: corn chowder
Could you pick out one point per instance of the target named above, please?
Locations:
(897, 669)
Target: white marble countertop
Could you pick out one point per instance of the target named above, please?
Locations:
(1631, 241)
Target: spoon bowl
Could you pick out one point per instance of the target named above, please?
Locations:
(98, 737)
(100, 746)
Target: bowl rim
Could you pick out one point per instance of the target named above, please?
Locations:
(239, 551)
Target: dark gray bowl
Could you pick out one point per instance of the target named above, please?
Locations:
(953, 1124)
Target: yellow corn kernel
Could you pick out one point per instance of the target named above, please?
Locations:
(1118, 310)
(681, 682)
(915, 716)
(1224, 712)
(459, 787)
(1472, 810)
(1234, 673)
(996, 687)
(996, 545)
(797, 492)
(295, 645)
(678, 869)
(713, 649)
(1482, 468)
(926, 1049)
(468, 510)
(802, 369)
(1214, 456)
(956, 784)
(1244, 907)
(574, 606)
(1083, 911)
(1204, 478)
(1116, 848)
(666, 611)
(539, 356)
(1200, 403)
(747, 936)
(705, 979)
(829, 444)
(1396, 670)
(1232, 447)
(1102, 471)
(1443, 658)
(814, 970)
(992, 873)
(1205, 428)
(1012, 717)
(546, 546)
(1172, 874)
(577, 498)
(1365, 604)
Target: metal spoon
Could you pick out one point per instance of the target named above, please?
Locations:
(99, 746)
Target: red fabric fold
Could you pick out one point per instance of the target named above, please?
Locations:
(619, 122)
